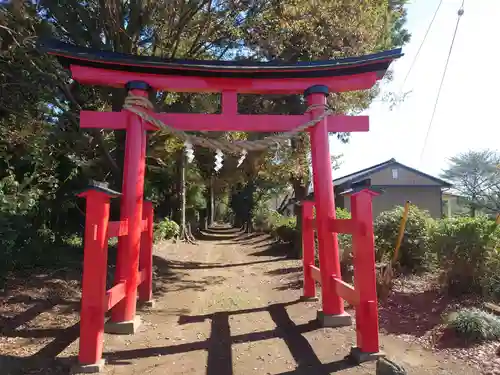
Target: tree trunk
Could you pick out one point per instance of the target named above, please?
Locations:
(300, 193)
(242, 205)
(184, 230)
(250, 190)
(182, 194)
(211, 202)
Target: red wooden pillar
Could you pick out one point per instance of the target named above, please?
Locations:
(146, 256)
(364, 272)
(93, 305)
(308, 249)
(325, 209)
(131, 211)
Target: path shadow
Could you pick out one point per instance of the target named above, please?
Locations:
(205, 236)
(244, 237)
(290, 277)
(61, 282)
(226, 230)
(168, 279)
(264, 240)
(253, 239)
(284, 271)
(44, 361)
(9, 324)
(200, 266)
(22, 302)
(276, 249)
(272, 242)
(294, 284)
(325, 369)
(219, 344)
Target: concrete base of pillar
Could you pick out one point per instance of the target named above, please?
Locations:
(357, 356)
(341, 320)
(146, 304)
(123, 328)
(94, 368)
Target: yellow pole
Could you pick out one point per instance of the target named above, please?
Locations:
(387, 273)
(498, 219)
(401, 231)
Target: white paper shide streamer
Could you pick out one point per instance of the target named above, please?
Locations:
(189, 151)
(218, 160)
(242, 157)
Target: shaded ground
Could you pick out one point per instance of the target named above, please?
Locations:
(223, 308)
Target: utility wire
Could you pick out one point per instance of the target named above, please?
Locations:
(460, 14)
(401, 87)
(421, 44)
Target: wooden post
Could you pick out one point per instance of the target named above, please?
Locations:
(146, 256)
(365, 282)
(333, 314)
(123, 318)
(95, 261)
(308, 249)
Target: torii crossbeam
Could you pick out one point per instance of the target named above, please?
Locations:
(140, 74)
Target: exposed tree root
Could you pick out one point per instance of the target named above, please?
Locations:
(187, 236)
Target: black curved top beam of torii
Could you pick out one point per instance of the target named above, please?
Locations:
(106, 68)
(69, 55)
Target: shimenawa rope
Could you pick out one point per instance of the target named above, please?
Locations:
(133, 103)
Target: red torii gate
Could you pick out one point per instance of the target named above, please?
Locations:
(139, 75)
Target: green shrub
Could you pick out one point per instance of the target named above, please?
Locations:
(465, 250)
(266, 220)
(260, 218)
(474, 325)
(490, 279)
(414, 253)
(345, 249)
(284, 229)
(345, 240)
(165, 230)
(276, 220)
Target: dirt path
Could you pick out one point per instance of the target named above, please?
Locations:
(231, 308)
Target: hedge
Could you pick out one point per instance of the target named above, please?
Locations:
(468, 254)
(414, 253)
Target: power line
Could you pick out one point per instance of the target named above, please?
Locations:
(460, 13)
(401, 87)
(422, 43)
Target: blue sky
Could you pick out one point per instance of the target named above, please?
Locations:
(466, 116)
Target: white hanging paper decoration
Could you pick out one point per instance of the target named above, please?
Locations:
(189, 151)
(242, 157)
(218, 160)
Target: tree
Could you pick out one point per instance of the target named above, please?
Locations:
(476, 176)
(45, 157)
(294, 30)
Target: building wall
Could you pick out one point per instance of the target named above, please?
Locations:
(403, 177)
(454, 205)
(426, 198)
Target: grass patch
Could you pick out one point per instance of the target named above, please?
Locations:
(474, 325)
